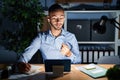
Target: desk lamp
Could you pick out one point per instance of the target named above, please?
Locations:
(100, 26)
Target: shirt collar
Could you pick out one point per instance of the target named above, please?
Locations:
(62, 33)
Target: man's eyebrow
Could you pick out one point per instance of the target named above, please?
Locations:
(62, 14)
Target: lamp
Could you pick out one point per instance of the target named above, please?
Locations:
(100, 26)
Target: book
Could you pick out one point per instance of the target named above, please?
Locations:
(93, 70)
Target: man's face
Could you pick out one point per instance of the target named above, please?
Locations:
(56, 19)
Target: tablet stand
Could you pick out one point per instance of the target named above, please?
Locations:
(58, 70)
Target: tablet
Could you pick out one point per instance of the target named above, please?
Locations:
(49, 63)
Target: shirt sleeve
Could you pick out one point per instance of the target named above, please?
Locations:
(30, 50)
(76, 56)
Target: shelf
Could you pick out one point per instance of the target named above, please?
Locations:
(88, 1)
(92, 11)
(92, 42)
(76, 26)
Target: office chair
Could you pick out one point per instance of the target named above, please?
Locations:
(109, 60)
(7, 57)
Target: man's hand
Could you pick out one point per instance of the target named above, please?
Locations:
(23, 67)
(65, 50)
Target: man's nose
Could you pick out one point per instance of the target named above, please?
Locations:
(57, 20)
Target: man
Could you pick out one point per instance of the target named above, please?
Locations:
(56, 43)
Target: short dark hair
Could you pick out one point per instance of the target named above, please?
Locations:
(55, 7)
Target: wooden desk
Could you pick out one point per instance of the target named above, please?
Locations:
(73, 75)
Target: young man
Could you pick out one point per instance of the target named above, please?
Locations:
(56, 43)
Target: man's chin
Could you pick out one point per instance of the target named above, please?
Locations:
(58, 28)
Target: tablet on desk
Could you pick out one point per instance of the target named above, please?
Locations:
(65, 63)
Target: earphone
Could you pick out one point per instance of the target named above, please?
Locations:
(48, 20)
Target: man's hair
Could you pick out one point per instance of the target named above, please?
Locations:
(55, 7)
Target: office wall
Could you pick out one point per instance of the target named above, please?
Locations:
(48, 3)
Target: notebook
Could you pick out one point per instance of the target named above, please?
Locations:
(93, 70)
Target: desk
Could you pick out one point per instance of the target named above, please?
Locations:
(73, 75)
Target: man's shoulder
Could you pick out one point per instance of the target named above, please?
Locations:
(43, 32)
(67, 33)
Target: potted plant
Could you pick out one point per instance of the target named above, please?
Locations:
(113, 73)
(29, 15)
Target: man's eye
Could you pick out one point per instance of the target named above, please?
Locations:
(53, 18)
(61, 18)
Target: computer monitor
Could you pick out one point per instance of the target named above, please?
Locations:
(49, 63)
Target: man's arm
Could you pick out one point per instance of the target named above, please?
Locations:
(73, 52)
(30, 50)
(23, 65)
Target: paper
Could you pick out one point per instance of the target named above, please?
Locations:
(34, 70)
(90, 66)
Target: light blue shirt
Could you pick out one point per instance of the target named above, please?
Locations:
(50, 47)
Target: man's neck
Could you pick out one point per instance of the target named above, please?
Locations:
(56, 33)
